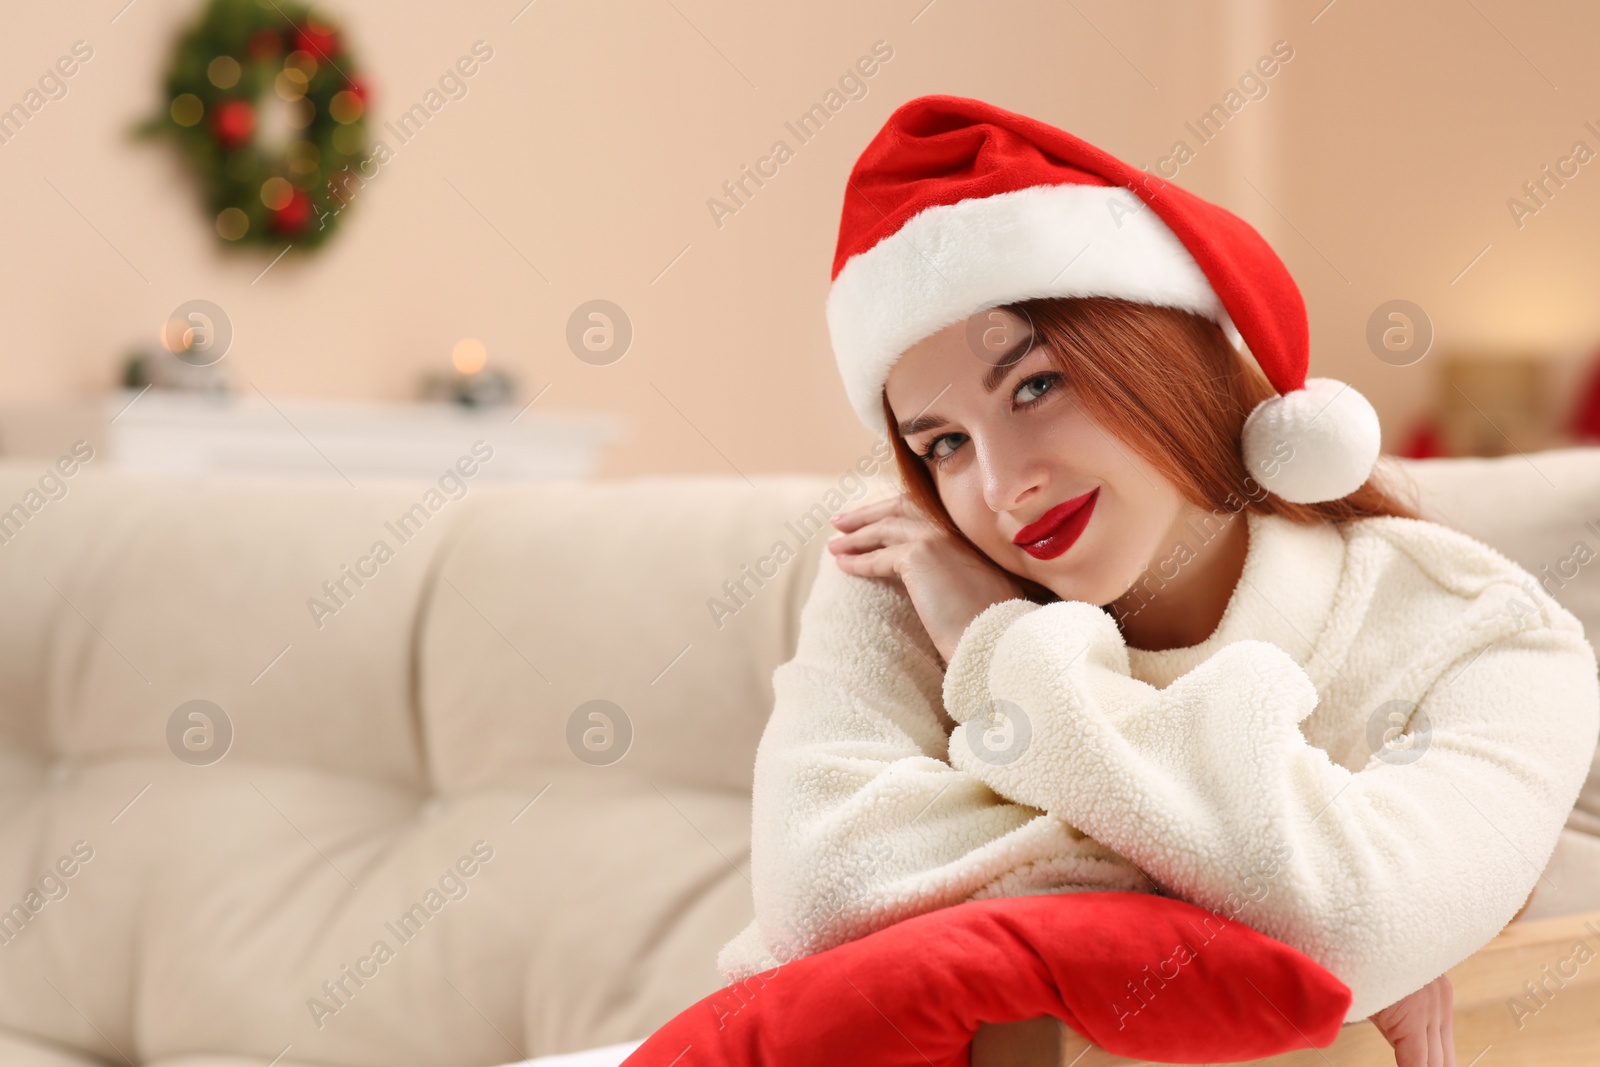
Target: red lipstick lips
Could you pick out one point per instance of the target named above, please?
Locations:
(1055, 531)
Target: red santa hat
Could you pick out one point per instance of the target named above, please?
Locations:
(958, 205)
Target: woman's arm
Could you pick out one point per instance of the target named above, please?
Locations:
(858, 820)
(1387, 876)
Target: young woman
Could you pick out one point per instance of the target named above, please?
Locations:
(1143, 618)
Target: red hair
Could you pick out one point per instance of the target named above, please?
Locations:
(1168, 384)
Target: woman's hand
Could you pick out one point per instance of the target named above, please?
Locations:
(948, 582)
(1418, 1026)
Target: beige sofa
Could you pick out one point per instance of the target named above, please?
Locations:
(242, 748)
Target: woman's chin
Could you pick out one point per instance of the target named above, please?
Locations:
(1059, 588)
(1061, 585)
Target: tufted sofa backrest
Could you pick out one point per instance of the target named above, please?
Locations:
(671, 601)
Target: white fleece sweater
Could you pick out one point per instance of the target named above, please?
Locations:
(1247, 774)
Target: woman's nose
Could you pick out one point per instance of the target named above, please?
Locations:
(1011, 475)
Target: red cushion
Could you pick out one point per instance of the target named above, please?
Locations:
(1140, 975)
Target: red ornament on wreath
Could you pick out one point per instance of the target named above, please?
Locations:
(293, 216)
(321, 41)
(233, 122)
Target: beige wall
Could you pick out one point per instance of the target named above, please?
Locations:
(580, 163)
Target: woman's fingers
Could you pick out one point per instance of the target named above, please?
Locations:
(1411, 1051)
(1406, 1025)
(1447, 1012)
(880, 563)
(1436, 1026)
(855, 518)
(891, 530)
(1419, 1027)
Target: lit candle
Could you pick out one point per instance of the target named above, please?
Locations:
(469, 356)
(477, 383)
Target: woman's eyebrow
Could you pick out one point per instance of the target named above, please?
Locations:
(992, 380)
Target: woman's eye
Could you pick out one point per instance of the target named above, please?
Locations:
(1042, 381)
(931, 452)
(1038, 385)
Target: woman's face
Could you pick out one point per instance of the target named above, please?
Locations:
(1002, 458)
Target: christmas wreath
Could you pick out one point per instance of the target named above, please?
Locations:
(268, 107)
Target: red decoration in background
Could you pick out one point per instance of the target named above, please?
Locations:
(1423, 442)
(321, 41)
(264, 44)
(292, 217)
(233, 122)
(1586, 420)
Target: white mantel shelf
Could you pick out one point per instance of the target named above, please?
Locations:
(194, 436)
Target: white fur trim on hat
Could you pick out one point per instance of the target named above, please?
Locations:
(951, 261)
(1313, 444)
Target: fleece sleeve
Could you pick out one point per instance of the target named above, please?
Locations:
(1387, 875)
(858, 820)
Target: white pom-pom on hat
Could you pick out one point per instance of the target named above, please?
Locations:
(1314, 444)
